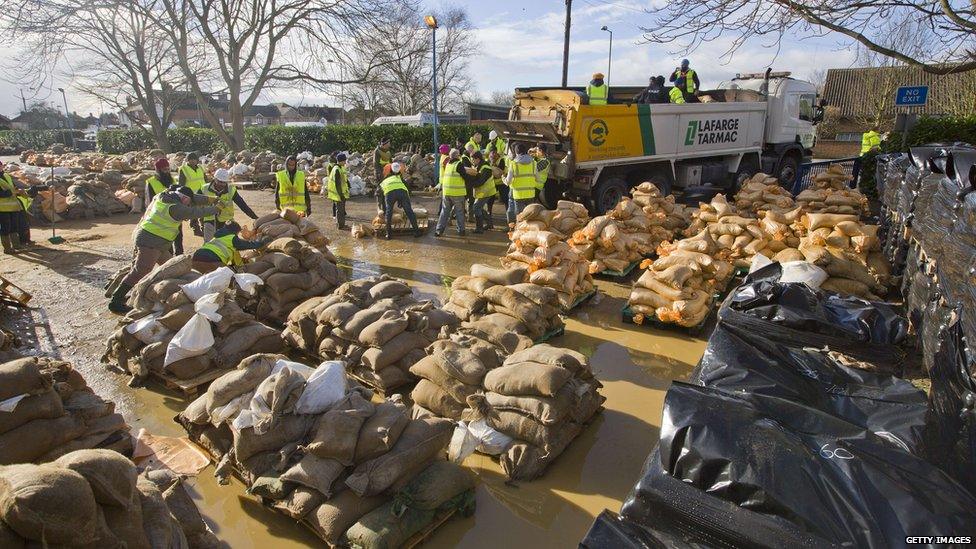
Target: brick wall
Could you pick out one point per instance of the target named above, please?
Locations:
(827, 148)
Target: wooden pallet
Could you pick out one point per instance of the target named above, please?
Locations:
(628, 314)
(618, 274)
(13, 294)
(579, 300)
(190, 388)
(405, 228)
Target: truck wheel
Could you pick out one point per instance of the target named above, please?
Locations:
(607, 193)
(788, 168)
(746, 170)
(551, 193)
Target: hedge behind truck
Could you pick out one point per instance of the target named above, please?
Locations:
(36, 139)
(290, 140)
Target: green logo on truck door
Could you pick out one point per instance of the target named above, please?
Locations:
(597, 132)
(692, 132)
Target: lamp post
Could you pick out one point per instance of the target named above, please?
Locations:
(431, 22)
(71, 126)
(609, 54)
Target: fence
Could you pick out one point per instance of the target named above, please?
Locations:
(809, 170)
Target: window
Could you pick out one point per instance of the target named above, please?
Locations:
(807, 101)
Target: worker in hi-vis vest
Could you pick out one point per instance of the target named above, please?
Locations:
(396, 193)
(453, 194)
(522, 181)
(598, 91)
(224, 195)
(689, 85)
(676, 96)
(870, 140)
(337, 189)
(291, 192)
(224, 249)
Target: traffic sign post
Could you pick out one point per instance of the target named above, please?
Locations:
(911, 96)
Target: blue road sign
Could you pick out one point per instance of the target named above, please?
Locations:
(911, 96)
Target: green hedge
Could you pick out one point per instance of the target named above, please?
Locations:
(290, 140)
(36, 139)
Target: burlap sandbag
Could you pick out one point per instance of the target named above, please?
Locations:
(547, 410)
(556, 356)
(34, 439)
(46, 405)
(504, 277)
(474, 284)
(46, 503)
(523, 427)
(421, 442)
(468, 300)
(527, 379)
(331, 519)
(189, 367)
(9, 538)
(436, 484)
(175, 319)
(378, 358)
(249, 374)
(316, 473)
(429, 395)
(235, 346)
(301, 502)
(338, 314)
(509, 341)
(22, 376)
(337, 432)
(429, 368)
(380, 432)
(523, 461)
(357, 322)
(111, 476)
(522, 307)
(538, 294)
(287, 429)
(389, 289)
(459, 362)
(126, 523)
(389, 325)
(161, 528)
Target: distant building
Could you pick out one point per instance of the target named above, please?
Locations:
(857, 98)
(479, 112)
(422, 119)
(4, 122)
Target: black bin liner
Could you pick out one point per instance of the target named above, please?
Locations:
(952, 399)
(824, 475)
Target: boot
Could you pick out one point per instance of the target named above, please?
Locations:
(479, 226)
(117, 305)
(15, 241)
(8, 248)
(389, 234)
(417, 233)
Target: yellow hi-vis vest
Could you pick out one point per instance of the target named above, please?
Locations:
(487, 190)
(223, 248)
(158, 221)
(194, 178)
(689, 80)
(393, 183)
(498, 144)
(474, 144)
(156, 185)
(291, 194)
(26, 202)
(523, 183)
(9, 203)
(452, 183)
(330, 184)
(542, 169)
(870, 140)
(225, 202)
(598, 94)
(676, 96)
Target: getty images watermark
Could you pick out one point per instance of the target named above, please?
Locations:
(929, 540)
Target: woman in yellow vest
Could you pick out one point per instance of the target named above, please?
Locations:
(396, 193)
(157, 229)
(453, 194)
(597, 91)
(521, 181)
(10, 213)
(290, 189)
(337, 187)
(224, 249)
(224, 194)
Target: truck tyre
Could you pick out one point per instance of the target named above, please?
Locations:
(607, 193)
(747, 169)
(551, 193)
(789, 166)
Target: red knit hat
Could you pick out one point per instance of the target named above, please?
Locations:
(162, 163)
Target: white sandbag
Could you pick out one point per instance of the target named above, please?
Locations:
(477, 435)
(758, 262)
(196, 336)
(212, 282)
(148, 329)
(801, 271)
(325, 387)
(248, 283)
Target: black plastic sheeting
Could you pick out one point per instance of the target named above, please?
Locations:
(953, 402)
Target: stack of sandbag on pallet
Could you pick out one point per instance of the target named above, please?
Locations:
(649, 198)
(317, 449)
(293, 272)
(831, 193)
(88, 199)
(762, 192)
(453, 370)
(493, 299)
(678, 287)
(289, 224)
(399, 220)
(783, 229)
(551, 263)
(374, 324)
(540, 398)
(184, 324)
(96, 498)
(709, 212)
(608, 247)
(850, 253)
(47, 410)
(566, 219)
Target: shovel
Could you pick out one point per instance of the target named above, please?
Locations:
(55, 239)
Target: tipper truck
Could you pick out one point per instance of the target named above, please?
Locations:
(756, 122)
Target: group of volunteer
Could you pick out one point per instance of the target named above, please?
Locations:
(15, 202)
(685, 88)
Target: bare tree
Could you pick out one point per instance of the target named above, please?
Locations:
(111, 52)
(690, 23)
(501, 97)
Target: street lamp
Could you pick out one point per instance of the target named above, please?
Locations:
(609, 55)
(342, 91)
(71, 127)
(431, 22)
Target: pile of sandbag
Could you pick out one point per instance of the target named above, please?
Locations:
(678, 287)
(850, 253)
(399, 220)
(649, 198)
(374, 324)
(491, 299)
(47, 410)
(540, 398)
(96, 498)
(566, 219)
(289, 224)
(831, 193)
(709, 212)
(322, 451)
(293, 272)
(88, 199)
(608, 246)
(763, 192)
(453, 370)
(551, 263)
(184, 324)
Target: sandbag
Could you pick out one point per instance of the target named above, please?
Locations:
(32, 440)
(331, 519)
(421, 442)
(249, 374)
(125, 522)
(432, 397)
(239, 343)
(434, 486)
(287, 429)
(337, 431)
(388, 326)
(459, 362)
(389, 289)
(527, 379)
(556, 356)
(46, 503)
(188, 367)
(160, 527)
(111, 476)
(338, 314)
(22, 376)
(504, 277)
(428, 368)
(380, 432)
(316, 473)
(301, 502)
(544, 409)
(377, 359)
(46, 405)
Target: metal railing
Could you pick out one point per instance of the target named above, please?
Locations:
(809, 170)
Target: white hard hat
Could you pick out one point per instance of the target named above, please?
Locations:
(492, 134)
(222, 175)
(395, 167)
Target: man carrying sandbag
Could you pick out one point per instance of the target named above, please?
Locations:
(155, 234)
(337, 187)
(290, 189)
(522, 181)
(222, 192)
(224, 249)
(395, 193)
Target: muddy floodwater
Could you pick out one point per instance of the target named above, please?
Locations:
(635, 365)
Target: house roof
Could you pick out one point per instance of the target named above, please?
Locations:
(851, 90)
(266, 111)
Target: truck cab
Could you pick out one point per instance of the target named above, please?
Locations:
(599, 152)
